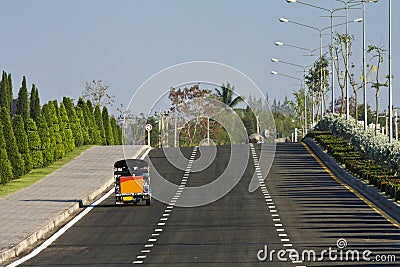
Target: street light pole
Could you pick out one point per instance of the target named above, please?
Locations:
(175, 128)
(320, 30)
(364, 71)
(346, 81)
(320, 50)
(298, 47)
(305, 95)
(347, 2)
(396, 130)
(302, 85)
(332, 57)
(331, 11)
(390, 76)
(208, 130)
(333, 68)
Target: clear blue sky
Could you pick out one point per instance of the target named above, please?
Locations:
(60, 44)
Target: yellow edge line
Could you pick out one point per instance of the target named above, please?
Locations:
(366, 201)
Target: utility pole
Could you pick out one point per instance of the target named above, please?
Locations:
(390, 76)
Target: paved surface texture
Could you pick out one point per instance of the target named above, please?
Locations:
(28, 214)
(300, 206)
(369, 192)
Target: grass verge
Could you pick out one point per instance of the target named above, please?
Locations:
(37, 174)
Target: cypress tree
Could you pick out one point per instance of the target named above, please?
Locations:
(99, 123)
(107, 127)
(93, 131)
(46, 140)
(51, 115)
(5, 164)
(73, 121)
(83, 126)
(10, 91)
(68, 138)
(11, 144)
(87, 109)
(55, 106)
(34, 144)
(121, 138)
(4, 93)
(114, 127)
(34, 103)
(22, 142)
(22, 102)
(48, 118)
(90, 106)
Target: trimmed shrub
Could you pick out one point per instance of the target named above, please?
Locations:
(34, 144)
(68, 138)
(11, 144)
(22, 142)
(99, 123)
(5, 164)
(107, 127)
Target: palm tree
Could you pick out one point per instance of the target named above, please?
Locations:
(225, 95)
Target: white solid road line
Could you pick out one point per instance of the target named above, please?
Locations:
(63, 229)
(54, 237)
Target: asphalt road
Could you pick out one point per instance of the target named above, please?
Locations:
(300, 207)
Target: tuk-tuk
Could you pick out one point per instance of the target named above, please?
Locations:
(132, 182)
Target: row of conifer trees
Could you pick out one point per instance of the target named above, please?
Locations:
(34, 135)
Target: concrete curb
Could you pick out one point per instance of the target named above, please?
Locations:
(379, 199)
(58, 219)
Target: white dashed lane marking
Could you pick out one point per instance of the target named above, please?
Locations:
(167, 212)
(272, 207)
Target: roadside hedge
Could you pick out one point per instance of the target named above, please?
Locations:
(371, 146)
(384, 179)
(34, 136)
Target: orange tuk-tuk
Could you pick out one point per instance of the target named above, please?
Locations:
(132, 182)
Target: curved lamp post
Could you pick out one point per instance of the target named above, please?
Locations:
(273, 72)
(275, 60)
(320, 30)
(332, 11)
(390, 76)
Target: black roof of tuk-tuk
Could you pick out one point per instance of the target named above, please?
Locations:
(131, 164)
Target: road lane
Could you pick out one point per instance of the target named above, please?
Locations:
(228, 232)
(318, 210)
(313, 210)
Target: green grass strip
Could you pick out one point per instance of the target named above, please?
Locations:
(37, 174)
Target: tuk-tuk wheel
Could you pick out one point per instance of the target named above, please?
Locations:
(147, 202)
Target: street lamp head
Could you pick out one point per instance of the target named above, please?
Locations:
(358, 20)
(291, 1)
(274, 72)
(283, 20)
(279, 43)
(274, 60)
